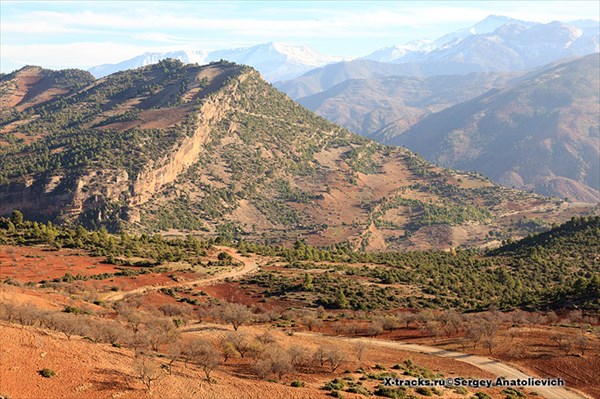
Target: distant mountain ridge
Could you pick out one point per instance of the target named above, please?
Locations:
(540, 133)
(497, 43)
(275, 61)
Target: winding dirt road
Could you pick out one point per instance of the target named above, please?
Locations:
(249, 266)
(493, 366)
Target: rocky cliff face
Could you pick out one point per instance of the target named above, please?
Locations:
(161, 172)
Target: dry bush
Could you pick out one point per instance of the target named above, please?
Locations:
(516, 351)
(70, 324)
(582, 342)
(407, 319)
(390, 323)
(312, 323)
(374, 328)
(111, 332)
(551, 318)
(266, 338)
(176, 310)
(320, 356)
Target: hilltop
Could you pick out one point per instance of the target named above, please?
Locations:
(217, 150)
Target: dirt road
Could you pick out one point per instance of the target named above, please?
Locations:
(493, 366)
(249, 266)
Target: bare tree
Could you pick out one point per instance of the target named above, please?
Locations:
(335, 357)
(69, 325)
(148, 371)
(512, 333)
(563, 341)
(435, 329)
(160, 331)
(235, 314)
(274, 360)
(320, 356)
(375, 327)
(360, 349)
(206, 355)
(582, 342)
(110, 332)
(228, 350)
(240, 341)
(452, 321)
(389, 323)
(490, 342)
(474, 333)
(266, 338)
(516, 351)
(298, 355)
(174, 353)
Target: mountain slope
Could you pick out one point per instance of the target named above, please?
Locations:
(541, 134)
(215, 148)
(31, 86)
(365, 106)
(324, 78)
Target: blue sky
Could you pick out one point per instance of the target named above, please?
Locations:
(59, 34)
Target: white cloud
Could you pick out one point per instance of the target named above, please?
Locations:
(87, 34)
(77, 55)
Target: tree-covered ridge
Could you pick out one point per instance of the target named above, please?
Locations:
(97, 126)
(560, 272)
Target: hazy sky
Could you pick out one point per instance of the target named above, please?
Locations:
(58, 34)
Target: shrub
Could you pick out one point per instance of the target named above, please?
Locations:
(425, 391)
(481, 395)
(388, 392)
(334, 385)
(297, 384)
(47, 373)
(72, 309)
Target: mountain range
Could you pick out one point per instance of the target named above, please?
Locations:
(541, 132)
(497, 43)
(216, 149)
(275, 61)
